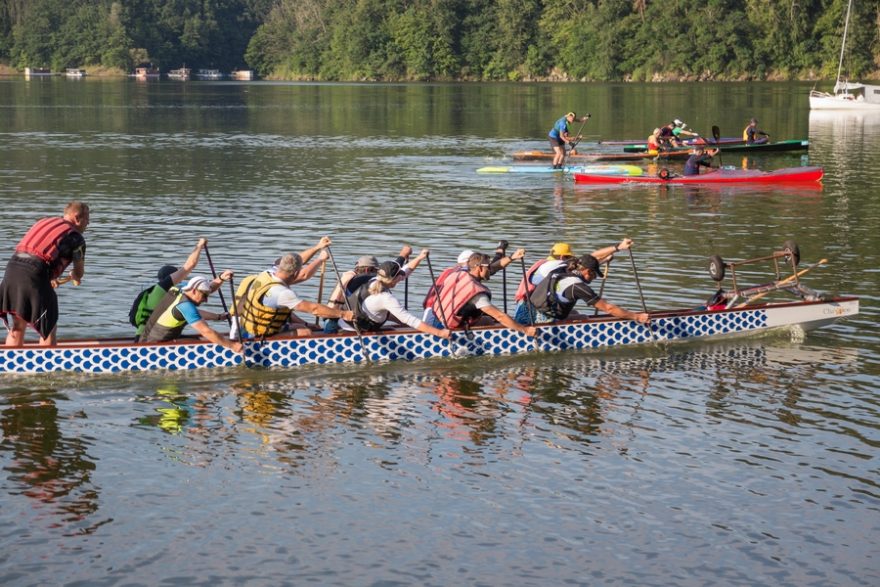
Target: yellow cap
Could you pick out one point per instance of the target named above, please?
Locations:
(561, 250)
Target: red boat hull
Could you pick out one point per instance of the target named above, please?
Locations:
(721, 176)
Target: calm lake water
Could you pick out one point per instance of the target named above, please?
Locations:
(731, 463)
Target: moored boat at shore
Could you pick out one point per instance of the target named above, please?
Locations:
(182, 74)
(208, 74)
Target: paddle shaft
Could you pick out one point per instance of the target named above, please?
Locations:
(348, 305)
(641, 295)
(527, 301)
(602, 287)
(219, 291)
(321, 286)
(716, 134)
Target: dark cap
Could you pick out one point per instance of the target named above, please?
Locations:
(389, 269)
(166, 271)
(589, 262)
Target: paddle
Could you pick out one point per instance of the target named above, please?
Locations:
(219, 291)
(602, 287)
(350, 309)
(716, 134)
(503, 244)
(578, 137)
(641, 295)
(321, 285)
(527, 302)
(436, 292)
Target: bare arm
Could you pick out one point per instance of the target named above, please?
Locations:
(507, 321)
(309, 270)
(438, 332)
(605, 254)
(618, 312)
(190, 262)
(310, 252)
(324, 311)
(213, 336)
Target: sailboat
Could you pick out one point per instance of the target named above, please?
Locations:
(847, 95)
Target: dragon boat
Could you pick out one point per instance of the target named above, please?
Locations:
(731, 313)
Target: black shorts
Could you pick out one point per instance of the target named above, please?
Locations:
(26, 291)
(556, 143)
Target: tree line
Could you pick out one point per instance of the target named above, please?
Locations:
(421, 40)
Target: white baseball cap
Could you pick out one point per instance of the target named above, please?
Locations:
(199, 283)
(464, 256)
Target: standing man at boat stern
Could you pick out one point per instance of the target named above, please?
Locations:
(27, 291)
(560, 135)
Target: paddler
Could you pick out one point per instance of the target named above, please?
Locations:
(463, 300)
(560, 255)
(373, 304)
(699, 158)
(266, 305)
(560, 136)
(180, 307)
(752, 135)
(27, 291)
(557, 294)
(680, 133)
(168, 276)
(364, 269)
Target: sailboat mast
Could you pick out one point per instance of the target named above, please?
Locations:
(843, 44)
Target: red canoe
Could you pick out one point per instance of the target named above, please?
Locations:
(788, 175)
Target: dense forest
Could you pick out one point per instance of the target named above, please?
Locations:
(600, 40)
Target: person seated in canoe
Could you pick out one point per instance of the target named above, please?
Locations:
(498, 262)
(754, 136)
(680, 132)
(555, 297)
(180, 307)
(373, 304)
(168, 276)
(463, 300)
(266, 305)
(560, 135)
(654, 143)
(560, 256)
(364, 269)
(667, 138)
(699, 158)
(27, 291)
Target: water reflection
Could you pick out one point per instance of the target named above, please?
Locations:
(48, 460)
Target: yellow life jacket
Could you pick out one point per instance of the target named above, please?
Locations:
(255, 317)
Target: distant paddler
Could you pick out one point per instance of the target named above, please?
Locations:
(754, 136)
(27, 291)
(560, 135)
(180, 307)
(699, 158)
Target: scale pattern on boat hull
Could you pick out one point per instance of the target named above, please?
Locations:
(289, 352)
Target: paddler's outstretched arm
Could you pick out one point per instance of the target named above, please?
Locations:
(212, 335)
(604, 254)
(508, 322)
(309, 270)
(618, 312)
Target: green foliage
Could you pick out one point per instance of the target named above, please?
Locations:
(599, 40)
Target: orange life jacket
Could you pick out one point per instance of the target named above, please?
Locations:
(526, 287)
(432, 293)
(42, 241)
(457, 290)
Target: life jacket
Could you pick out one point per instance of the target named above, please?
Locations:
(247, 284)
(163, 324)
(458, 289)
(144, 304)
(255, 317)
(356, 300)
(432, 292)
(547, 297)
(526, 287)
(746, 133)
(42, 241)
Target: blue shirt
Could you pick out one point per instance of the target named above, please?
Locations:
(188, 311)
(560, 127)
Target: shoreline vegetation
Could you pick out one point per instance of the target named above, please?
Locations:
(448, 40)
